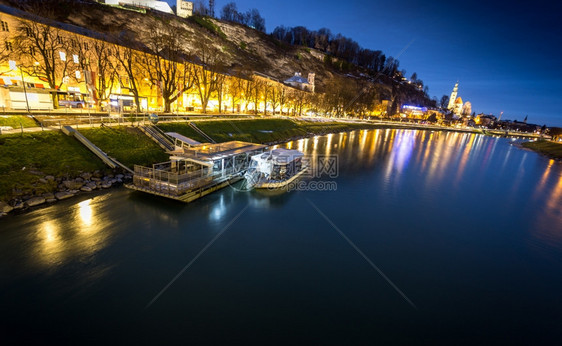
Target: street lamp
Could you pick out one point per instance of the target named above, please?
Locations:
(14, 66)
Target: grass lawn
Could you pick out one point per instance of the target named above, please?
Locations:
(15, 120)
(551, 149)
(24, 159)
(127, 144)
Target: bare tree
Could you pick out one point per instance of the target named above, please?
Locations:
(43, 52)
(129, 70)
(235, 87)
(255, 92)
(95, 60)
(164, 62)
(229, 12)
(6, 47)
(207, 76)
(220, 89)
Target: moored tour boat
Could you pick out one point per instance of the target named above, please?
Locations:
(275, 169)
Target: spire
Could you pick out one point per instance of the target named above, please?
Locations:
(453, 97)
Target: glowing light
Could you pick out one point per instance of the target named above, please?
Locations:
(85, 212)
(50, 232)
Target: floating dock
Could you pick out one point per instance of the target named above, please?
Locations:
(196, 170)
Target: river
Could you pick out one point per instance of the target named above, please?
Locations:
(396, 236)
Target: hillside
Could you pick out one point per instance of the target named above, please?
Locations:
(243, 50)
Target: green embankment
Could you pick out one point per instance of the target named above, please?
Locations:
(260, 130)
(548, 148)
(16, 121)
(27, 158)
(127, 144)
(24, 159)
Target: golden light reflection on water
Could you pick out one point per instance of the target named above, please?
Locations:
(329, 144)
(544, 178)
(81, 232)
(51, 247)
(85, 212)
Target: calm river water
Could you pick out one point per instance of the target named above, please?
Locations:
(428, 237)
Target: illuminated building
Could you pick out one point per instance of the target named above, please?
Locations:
(80, 85)
(161, 6)
(184, 8)
(297, 81)
(456, 105)
(453, 97)
(413, 111)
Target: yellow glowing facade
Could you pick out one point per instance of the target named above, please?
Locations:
(78, 87)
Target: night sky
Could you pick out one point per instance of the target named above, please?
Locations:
(506, 56)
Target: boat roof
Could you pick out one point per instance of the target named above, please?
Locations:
(279, 156)
(216, 151)
(183, 138)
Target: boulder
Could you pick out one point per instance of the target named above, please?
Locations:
(106, 185)
(48, 195)
(63, 195)
(51, 200)
(119, 176)
(43, 181)
(86, 189)
(35, 201)
(49, 178)
(5, 207)
(72, 184)
(18, 205)
(86, 176)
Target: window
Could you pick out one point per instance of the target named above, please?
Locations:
(75, 58)
(78, 74)
(86, 45)
(5, 26)
(62, 56)
(9, 46)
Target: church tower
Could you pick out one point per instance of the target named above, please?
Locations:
(453, 97)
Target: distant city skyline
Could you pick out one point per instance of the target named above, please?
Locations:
(504, 55)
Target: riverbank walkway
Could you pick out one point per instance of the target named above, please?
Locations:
(93, 122)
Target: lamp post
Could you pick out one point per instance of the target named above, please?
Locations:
(24, 91)
(14, 66)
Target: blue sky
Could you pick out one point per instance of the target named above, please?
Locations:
(505, 55)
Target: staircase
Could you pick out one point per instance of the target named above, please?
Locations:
(111, 162)
(163, 140)
(199, 131)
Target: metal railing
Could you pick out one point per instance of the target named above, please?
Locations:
(133, 120)
(164, 181)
